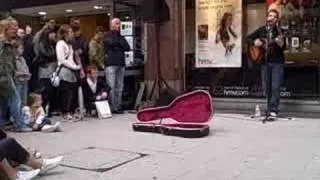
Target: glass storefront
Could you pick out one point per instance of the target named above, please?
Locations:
(300, 24)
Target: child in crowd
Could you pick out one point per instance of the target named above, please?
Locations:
(22, 74)
(34, 115)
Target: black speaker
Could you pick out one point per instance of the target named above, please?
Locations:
(166, 97)
(6, 5)
(154, 11)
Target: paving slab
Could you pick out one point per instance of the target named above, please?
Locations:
(99, 159)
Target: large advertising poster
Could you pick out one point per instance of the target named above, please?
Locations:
(218, 33)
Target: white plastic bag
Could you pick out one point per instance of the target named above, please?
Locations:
(103, 109)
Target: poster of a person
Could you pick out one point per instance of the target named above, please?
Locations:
(219, 33)
(225, 34)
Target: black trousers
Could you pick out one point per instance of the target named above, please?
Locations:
(11, 150)
(34, 81)
(49, 95)
(68, 96)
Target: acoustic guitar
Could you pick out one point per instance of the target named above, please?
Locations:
(256, 54)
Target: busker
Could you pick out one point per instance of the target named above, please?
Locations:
(269, 37)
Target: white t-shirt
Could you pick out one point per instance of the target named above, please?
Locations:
(92, 85)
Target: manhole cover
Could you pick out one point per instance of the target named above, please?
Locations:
(99, 159)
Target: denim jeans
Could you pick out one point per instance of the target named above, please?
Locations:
(272, 78)
(22, 88)
(14, 104)
(115, 79)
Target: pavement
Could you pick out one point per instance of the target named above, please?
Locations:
(236, 149)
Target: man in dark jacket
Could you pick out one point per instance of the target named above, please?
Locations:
(94, 88)
(28, 54)
(115, 48)
(272, 67)
(80, 42)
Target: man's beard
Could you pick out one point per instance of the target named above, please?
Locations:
(271, 23)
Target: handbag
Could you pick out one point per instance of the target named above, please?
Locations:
(55, 79)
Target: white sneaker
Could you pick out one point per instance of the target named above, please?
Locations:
(67, 118)
(27, 175)
(49, 164)
(58, 127)
(50, 128)
(272, 116)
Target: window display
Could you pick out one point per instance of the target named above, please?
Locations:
(299, 25)
(299, 21)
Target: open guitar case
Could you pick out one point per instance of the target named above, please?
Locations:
(188, 115)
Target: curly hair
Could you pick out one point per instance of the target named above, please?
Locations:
(5, 24)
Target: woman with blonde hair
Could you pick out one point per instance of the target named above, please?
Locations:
(8, 90)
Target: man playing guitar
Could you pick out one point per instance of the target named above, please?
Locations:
(269, 38)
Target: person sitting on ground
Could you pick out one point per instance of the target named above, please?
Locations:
(12, 151)
(35, 117)
(13, 173)
(94, 88)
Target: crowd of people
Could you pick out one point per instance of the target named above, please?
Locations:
(28, 95)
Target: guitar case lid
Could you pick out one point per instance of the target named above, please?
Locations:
(187, 115)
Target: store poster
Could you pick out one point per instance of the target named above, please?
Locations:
(218, 33)
(127, 30)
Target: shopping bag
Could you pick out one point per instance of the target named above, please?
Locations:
(103, 109)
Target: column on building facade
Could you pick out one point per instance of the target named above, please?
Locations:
(171, 49)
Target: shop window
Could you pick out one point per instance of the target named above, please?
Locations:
(302, 67)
